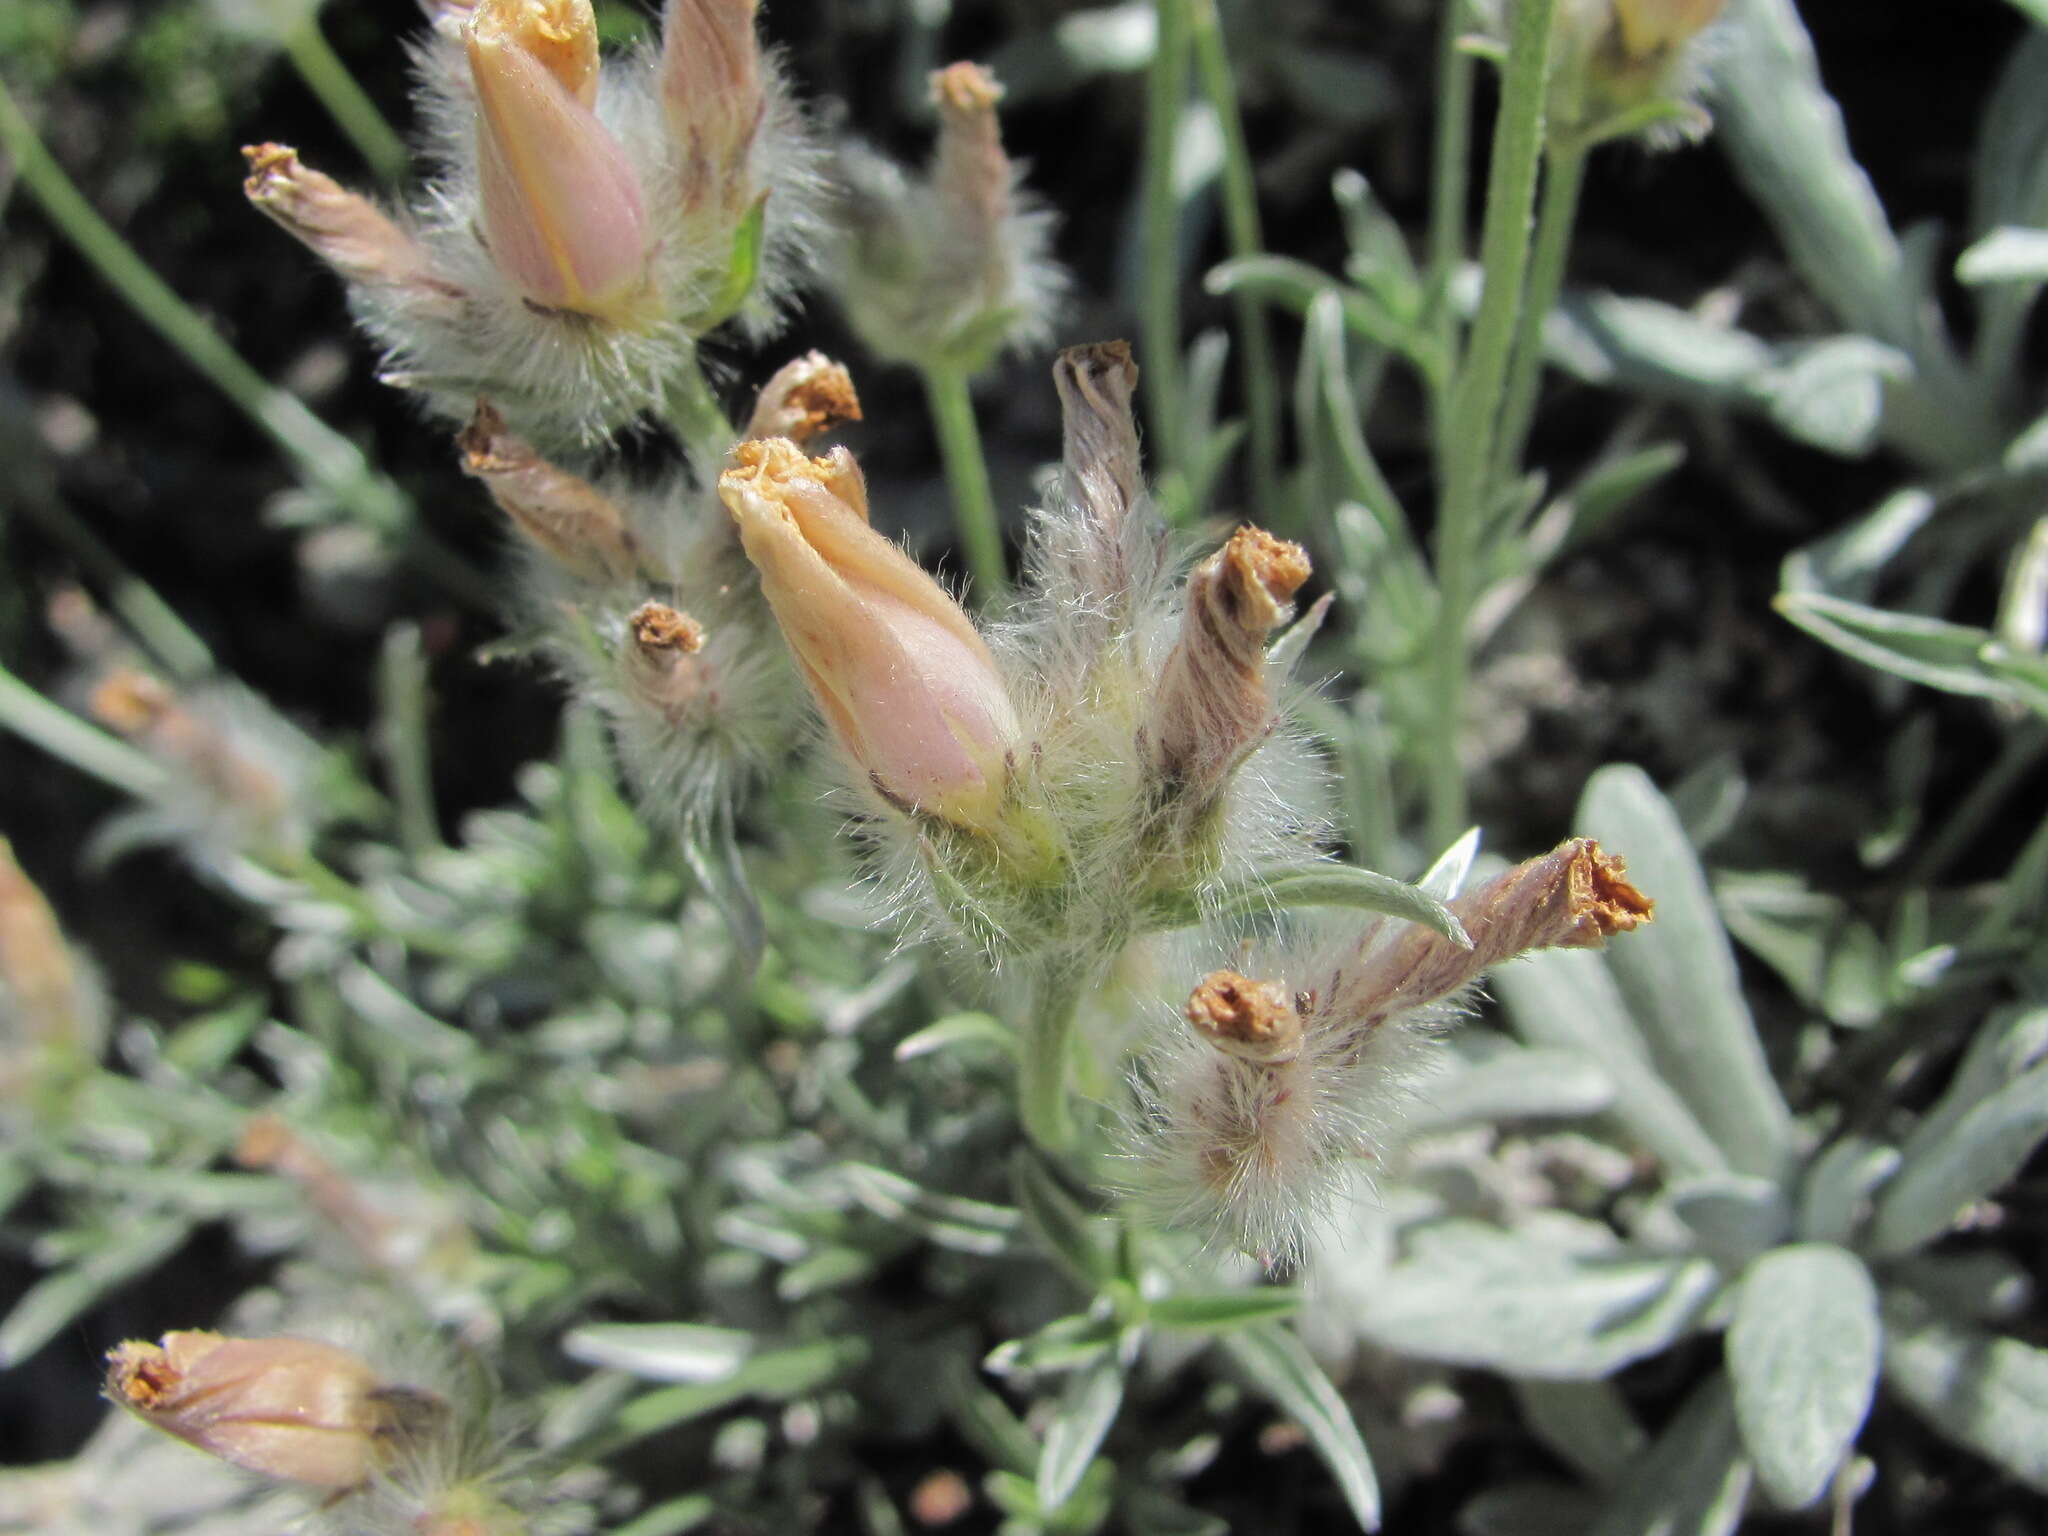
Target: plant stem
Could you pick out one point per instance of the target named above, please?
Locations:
(1241, 223)
(1449, 171)
(352, 110)
(324, 459)
(1564, 177)
(974, 503)
(1467, 456)
(69, 739)
(699, 420)
(1159, 276)
(402, 737)
(1042, 1063)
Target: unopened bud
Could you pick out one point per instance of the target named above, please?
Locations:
(663, 669)
(805, 398)
(711, 89)
(1256, 1020)
(1113, 551)
(564, 516)
(971, 175)
(898, 669)
(287, 1408)
(43, 997)
(563, 212)
(343, 228)
(1574, 897)
(1214, 704)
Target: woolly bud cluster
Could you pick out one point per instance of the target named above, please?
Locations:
(591, 217)
(1252, 1115)
(945, 270)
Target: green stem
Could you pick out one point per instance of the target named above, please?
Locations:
(699, 420)
(352, 110)
(1452, 154)
(402, 737)
(974, 502)
(169, 640)
(1042, 1064)
(69, 739)
(1564, 177)
(322, 457)
(1241, 224)
(1475, 403)
(1166, 85)
(2023, 749)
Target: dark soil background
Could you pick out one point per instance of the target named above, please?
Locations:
(1667, 625)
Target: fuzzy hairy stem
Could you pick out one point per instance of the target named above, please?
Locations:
(1048, 1047)
(1564, 176)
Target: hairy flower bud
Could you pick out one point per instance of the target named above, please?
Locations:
(562, 209)
(663, 670)
(1214, 705)
(712, 92)
(564, 516)
(1650, 28)
(898, 669)
(343, 228)
(804, 398)
(284, 1407)
(1111, 544)
(43, 997)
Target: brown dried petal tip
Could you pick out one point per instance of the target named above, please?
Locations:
(1253, 1019)
(563, 515)
(805, 398)
(662, 669)
(1096, 383)
(343, 228)
(658, 627)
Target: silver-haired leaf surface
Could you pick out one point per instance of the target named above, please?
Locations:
(1556, 1298)
(1982, 1151)
(1735, 1217)
(1273, 1363)
(1838, 1183)
(1694, 1481)
(2009, 1043)
(1678, 974)
(1567, 999)
(1803, 1355)
(1585, 1424)
(1984, 1391)
(1513, 1084)
(661, 1351)
(1087, 1408)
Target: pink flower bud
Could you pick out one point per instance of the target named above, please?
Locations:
(899, 671)
(711, 90)
(563, 212)
(288, 1408)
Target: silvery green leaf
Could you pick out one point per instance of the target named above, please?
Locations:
(2009, 254)
(1613, 484)
(1527, 1304)
(1333, 885)
(1586, 1424)
(57, 1300)
(1932, 652)
(1072, 1237)
(1528, 1509)
(1679, 977)
(660, 1351)
(671, 1517)
(1379, 259)
(1658, 349)
(1567, 998)
(1847, 563)
(2022, 624)
(1838, 1186)
(1784, 134)
(1061, 1345)
(956, 1031)
(1971, 1159)
(1446, 877)
(1087, 1408)
(1708, 799)
(1735, 1217)
(776, 1374)
(1986, 1392)
(1514, 1084)
(712, 852)
(1803, 1355)
(1832, 960)
(1986, 1285)
(1693, 1481)
(1831, 393)
(1273, 1363)
(951, 1221)
(1223, 1311)
(1150, 1512)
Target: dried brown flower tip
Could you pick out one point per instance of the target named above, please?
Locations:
(1213, 704)
(1256, 1020)
(269, 1144)
(1571, 898)
(130, 701)
(564, 516)
(344, 229)
(972, 174)
(806, 397)
(662, 669)
(658, 627)
(288, 1408)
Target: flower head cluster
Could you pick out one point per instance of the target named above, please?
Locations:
(947, 269)
(1038, 786)
(587, 221)
(1255, 1110)
(1623, 65)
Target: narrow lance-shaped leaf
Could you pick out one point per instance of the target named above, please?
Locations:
(1274, 1363)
